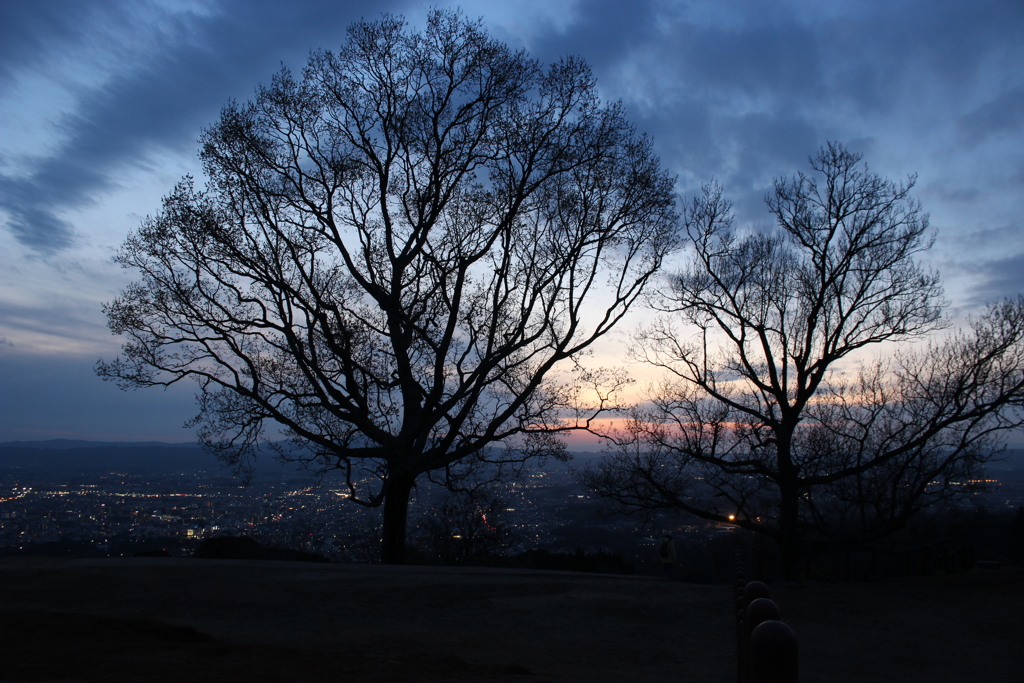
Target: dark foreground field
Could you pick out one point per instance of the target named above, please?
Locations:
(206, 620)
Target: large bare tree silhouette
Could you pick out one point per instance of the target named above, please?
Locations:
(392, 256)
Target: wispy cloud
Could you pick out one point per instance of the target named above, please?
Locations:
(158, 101)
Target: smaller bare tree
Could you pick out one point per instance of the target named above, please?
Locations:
(753, 424)
(466, 525)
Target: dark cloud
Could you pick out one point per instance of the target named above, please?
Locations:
(1002, 116)
(722, 96)
(744, 90)
(163, 104)
(960, 41)
(736, 92)
(884, 56)
(733, 66)
(29, 31)
(999, 278)
(603, 33)
(31, 219)
(995, 240)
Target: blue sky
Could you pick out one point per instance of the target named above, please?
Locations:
(102, 103)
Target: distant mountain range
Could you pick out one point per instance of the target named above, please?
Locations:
(139, 457)
(73, 455)
(68, 444)
(85, 456)
(1011, 459)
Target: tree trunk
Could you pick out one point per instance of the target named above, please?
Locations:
(396, 515)
(789, 534)
(789, 501)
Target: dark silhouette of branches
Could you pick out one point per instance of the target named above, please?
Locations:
(466, 526)
(752, 423)
(394, 255)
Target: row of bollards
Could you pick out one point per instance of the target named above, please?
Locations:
(766, 648)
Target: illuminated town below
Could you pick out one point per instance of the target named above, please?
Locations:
(111, 513)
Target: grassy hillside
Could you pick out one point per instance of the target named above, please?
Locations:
(185, 619)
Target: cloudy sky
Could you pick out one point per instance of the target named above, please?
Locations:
(102, 103)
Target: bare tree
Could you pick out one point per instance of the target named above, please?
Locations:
(755, 424)
(465, 526)
(392, 257)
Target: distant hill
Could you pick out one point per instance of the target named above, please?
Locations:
(176, 619)
(78, 456)
(67, 444)
(74, 456)
(1011, 459)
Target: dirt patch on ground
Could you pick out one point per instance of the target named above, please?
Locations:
(204, 620)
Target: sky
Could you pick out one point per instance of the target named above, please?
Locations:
(102, 104)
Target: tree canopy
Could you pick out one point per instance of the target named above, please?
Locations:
(392, 256)
(759, 422)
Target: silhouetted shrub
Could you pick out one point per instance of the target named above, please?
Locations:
(246, 548)
(1014, 544)
(464, 528)
(599, 562)
(229, 548)
(291, 555)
